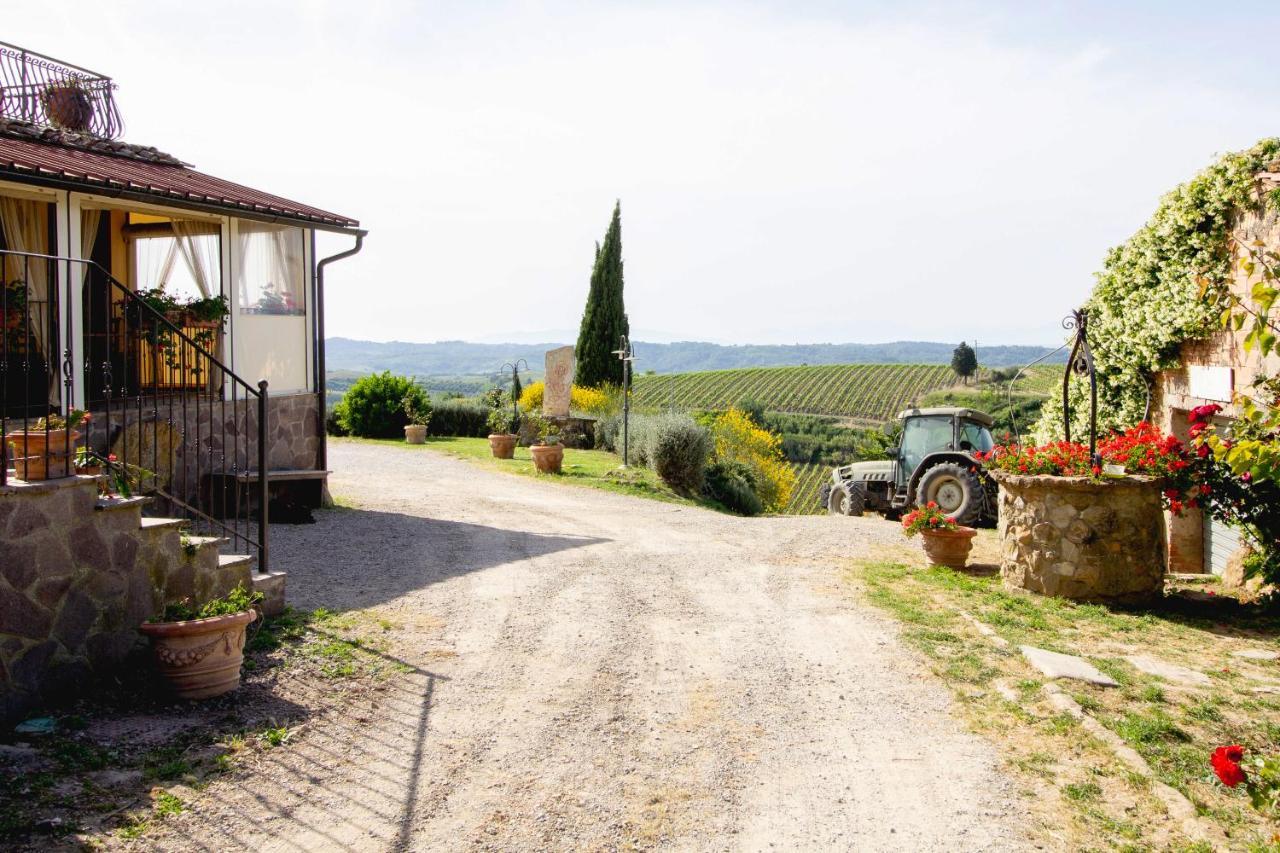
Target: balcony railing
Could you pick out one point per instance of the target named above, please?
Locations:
(42, 90)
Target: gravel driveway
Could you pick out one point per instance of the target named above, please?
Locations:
(595, 671)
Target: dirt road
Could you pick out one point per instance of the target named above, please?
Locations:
(594, 671)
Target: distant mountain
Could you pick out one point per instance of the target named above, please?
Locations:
(460, 358)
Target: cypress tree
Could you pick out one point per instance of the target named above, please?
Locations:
(604, 321)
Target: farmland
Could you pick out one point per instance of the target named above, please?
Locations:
(867, 393)
(809, 479)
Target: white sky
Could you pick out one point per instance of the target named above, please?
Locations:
(847, 172)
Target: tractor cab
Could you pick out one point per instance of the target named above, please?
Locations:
(926, 432)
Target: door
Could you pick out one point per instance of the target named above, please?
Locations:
(1221, 542)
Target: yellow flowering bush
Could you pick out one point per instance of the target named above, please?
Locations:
(737, 438)
(592, 401)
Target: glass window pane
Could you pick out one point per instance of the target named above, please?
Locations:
(271, 269)
(922, 436)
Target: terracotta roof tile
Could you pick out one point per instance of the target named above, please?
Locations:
(103, 165)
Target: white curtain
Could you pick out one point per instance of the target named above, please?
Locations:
(199, 253)
(271, 270)
(26, 229)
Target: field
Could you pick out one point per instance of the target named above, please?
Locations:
(809, 479)
(867, 393)
(1043, 380)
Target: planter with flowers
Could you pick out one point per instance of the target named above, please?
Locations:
(47, 449)
(199, 651)
(1089, 528)
(945, 542)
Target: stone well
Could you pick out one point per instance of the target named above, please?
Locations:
(1082, 539)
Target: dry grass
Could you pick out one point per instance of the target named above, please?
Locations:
(1100, 803)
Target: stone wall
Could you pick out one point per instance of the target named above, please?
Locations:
(77, 577)
(1077, 538)
(211, 429)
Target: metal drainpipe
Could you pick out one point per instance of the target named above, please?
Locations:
(319, 343)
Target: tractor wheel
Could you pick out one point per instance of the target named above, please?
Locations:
(846, 500)
(955, 489)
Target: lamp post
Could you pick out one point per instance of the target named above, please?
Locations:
(515, 378)
(626, 356)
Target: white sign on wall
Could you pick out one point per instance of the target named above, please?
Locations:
(1211, 383)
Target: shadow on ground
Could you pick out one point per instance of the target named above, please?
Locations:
(356, 558)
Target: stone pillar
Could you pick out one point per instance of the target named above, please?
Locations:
(559, 383)
(1082, 539)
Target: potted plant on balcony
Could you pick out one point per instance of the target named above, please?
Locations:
(199, 651)
(417, 409)
(547, 451)
(47, 449)
(68, 104)
(945, 542)
(503, 424)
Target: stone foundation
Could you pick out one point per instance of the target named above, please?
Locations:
(1076, 538)
(79, 575)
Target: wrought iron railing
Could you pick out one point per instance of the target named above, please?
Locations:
(165, 413)
(42, 90)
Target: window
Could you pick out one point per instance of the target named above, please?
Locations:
(975, 436)
(271, 269)
(924, 435)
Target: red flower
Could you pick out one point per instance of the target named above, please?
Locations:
(1171, 494)
(111, 457)
(1246, 476)
(1175, 507)
(1197, 428)
(1200, 413)
(1202, 451)
(1226, 764)
(932, 505)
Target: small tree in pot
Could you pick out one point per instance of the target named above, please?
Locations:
(945, 542)
(503, 424)
(199, 651)
(417, 409)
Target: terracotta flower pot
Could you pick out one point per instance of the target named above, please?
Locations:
(548, 457)
(201, 657)
(415, 434)
(948, 547)
(68, 107)
(38, 455)
(503, 445)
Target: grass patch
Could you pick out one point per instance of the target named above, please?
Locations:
(595, 469)
(1174, 730)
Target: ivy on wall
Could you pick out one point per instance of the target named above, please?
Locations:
(1147, 300)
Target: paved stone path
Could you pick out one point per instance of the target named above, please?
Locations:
(594, 671)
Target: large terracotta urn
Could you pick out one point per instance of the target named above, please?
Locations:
(1081, 538)
(948, 548)
(40, 455)
(415, 434)
(548, 458)
(200, 658)
(503, 445)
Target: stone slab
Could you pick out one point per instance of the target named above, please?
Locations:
(1168, 671)
(559, 382)
(1055, 665)
(1256, 654)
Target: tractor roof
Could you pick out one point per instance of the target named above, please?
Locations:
(950, 411)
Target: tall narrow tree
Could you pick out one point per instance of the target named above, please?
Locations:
(604, 321)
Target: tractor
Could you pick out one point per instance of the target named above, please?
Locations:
(934, 461)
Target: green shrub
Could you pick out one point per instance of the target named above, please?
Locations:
(237, 600)
(609, 433)
(334, 421)
(732, 484)
(503, 421)
(678, 450)
(460, 418)
(374, 406)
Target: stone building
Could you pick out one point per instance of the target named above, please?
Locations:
(1214, 370)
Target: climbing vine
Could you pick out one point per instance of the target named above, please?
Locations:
(1148, 301)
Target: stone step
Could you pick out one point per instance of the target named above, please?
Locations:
(226, 561)
(162, 523)
(271, 585)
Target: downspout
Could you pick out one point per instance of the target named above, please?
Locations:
(323, 459)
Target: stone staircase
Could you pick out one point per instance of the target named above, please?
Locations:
(79, 573)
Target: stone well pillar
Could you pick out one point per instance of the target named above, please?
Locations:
(1082, 539)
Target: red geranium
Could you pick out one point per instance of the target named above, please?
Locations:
(1226, 764)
